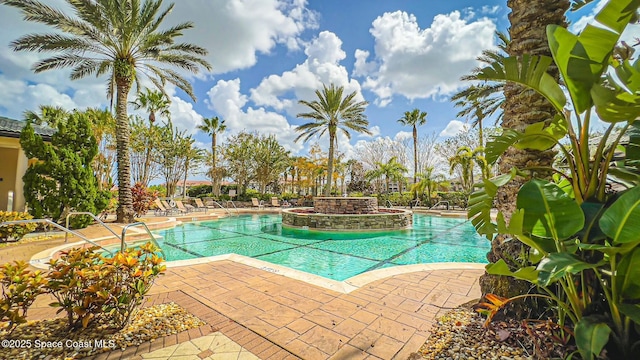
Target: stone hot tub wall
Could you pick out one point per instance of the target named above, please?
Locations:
(345, 205)
(363, 222)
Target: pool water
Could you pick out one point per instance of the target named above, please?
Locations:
(334, 255)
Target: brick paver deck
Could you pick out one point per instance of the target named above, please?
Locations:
(277, 317)
(386, 319)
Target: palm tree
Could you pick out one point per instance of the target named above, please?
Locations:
(153, 102)
(464, 160)
(104, 128)
(414, 119)
(192, 156)
(122, 39)
(522, 107)
(482, 100)
(391, 170)
(213, 126)
(330, 112)
(428, 182)
(49, 115)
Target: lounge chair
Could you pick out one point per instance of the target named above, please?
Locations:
(276, 203)
(171, 208)
(182, 207)
(256, 203)
(202, 207)
(161, 209)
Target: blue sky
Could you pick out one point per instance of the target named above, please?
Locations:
(268, 54)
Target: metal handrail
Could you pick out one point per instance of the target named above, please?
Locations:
(66, 230)
(440, 202)
(152, 238)
(389, 204)
(234, 206)
(94, 218)
(221, 207)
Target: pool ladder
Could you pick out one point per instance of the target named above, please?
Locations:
(122, 237)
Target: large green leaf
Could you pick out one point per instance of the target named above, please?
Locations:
(556, 265)
(631, 311)
(617, 14)
(628, 275)
(497, 145)
(542, 246)
(527, 273)
(539, 136)
(548, 211)
(591, 233)
(529, 71)
(592, 334)
(615, 104)
(481, 203)
(583, 58)
(621, 220)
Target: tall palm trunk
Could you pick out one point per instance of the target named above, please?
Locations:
(528, 19)
(216, 181)
(415, 159)
(125, 206)
(332, 139)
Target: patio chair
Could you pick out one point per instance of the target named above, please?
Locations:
(171, 208)
(202, 207)
(256, 203)
(275, 202)
(161, 209)
(184, 208)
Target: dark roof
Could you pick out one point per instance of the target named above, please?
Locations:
(12, 128)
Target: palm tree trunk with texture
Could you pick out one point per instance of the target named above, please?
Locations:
(125, 200)
(332, 139)
(529, 19)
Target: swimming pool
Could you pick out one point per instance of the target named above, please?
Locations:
(333, 255)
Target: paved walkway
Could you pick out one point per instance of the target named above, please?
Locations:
(257, 313)
(386, 319)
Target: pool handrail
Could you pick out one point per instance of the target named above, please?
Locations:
(444, 202)
(234, 206)
(92, 216)
(58, 226)
(152, 238)
(221, 207)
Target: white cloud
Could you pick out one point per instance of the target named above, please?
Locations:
(454, 128)
(422, 63)
(490, 10)
(401, 135)
(375, 131)
(225, 98)
(236, 30)
(324, 54)
(17, 96)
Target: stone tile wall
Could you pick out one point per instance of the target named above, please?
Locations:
(345, 205)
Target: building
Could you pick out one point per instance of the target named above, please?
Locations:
(14, 163)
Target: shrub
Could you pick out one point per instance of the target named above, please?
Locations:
(131, 275)
(20, 287)
(63, 180)
(199, 190)
(71, 275)
(88, 286)
(142, 199)
(396, 198)
(455, 198)
(15, 232)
